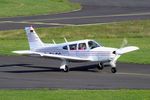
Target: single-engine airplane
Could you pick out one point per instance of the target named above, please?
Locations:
(76, 51)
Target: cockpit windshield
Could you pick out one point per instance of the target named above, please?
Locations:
(93, 44)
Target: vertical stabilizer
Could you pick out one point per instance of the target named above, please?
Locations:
(33, 39)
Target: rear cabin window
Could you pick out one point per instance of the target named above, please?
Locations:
(65, 47)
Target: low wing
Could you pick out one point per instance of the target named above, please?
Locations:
(126, 50)
(69, 58)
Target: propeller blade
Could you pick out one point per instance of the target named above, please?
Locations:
(124, 43)
(126, 50)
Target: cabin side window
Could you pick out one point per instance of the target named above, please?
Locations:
(82, 46)
(73, 46)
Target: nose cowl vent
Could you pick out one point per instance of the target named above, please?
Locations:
(114, 52)
(31, 30)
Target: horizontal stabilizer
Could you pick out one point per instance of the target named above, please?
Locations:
(24, 52)
(126, 50)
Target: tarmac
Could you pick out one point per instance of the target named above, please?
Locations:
(21, 72)
(92, 12)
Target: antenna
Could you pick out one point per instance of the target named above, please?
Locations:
(54, 41)
(65, 40)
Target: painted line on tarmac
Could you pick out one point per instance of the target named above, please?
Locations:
(99, 16)
(95, 24)
(39, 23)
(135, 74)
(57, 24)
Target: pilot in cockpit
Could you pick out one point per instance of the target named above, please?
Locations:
(82, 46)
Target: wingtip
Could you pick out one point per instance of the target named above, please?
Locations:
(14, 51)
(136, 48)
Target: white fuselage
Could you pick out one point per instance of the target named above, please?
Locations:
(96, 53)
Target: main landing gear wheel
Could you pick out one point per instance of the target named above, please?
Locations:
(66, 69)
(100, 66)
(113, 70)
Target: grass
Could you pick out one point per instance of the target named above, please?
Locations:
(74, 94)
(136, 32)
(129, 29)
(11, 8)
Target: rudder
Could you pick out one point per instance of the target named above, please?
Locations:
(33, 39)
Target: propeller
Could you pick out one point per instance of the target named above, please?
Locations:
(124, 49)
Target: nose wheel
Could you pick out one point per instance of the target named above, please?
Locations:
(113, 70)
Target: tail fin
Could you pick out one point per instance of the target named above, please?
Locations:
(33, 39)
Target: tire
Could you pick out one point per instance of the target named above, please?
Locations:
(113, 70)
(100, 66)
(66, 69)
